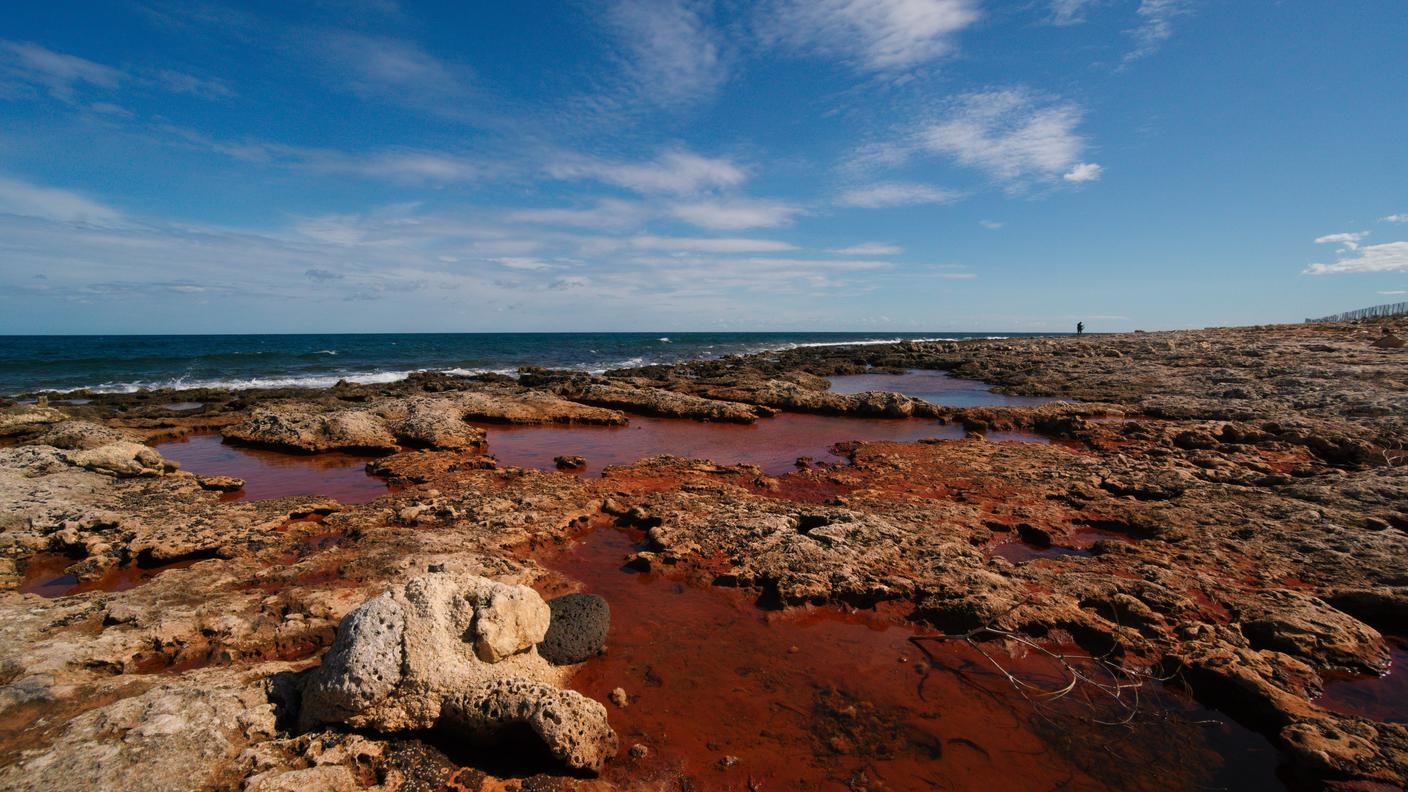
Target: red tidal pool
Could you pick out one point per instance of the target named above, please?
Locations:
(724, 695)
(774, 444)
(935, 387)
(272, 474)
(1383, 698)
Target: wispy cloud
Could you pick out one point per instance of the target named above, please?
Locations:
(1083, 172)
(991, 225)
(708, 245)
(1395, 218)
(1349, 239)
(59, 74)
(735, 214)
(1388, 257)
(1070, 12)
(670, 52)
(890, 194)
(606, 213)
(1156, 24)
(49, 203)
(874, 35)
(396, 70)
(401, 165)
(869, 249)
(1014, 135)
(676, 171)
(203, 87)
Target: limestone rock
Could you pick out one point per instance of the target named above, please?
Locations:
(175, 737)
(456, 652)
(433, 423)
(300, 428)
(123, 458)
(571, 725)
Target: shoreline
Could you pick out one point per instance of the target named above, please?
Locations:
(1222, 506)
(323, 377)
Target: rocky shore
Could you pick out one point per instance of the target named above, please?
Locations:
(1224, 510)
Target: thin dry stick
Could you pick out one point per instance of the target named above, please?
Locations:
(1081, 674)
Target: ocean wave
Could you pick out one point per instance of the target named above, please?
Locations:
(250, 383)
(198, 372)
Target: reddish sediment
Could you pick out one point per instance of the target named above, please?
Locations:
(45, 575)
(274, 474)
(725, 695)
(773, 444)
(1378, 698)
(1239, 531)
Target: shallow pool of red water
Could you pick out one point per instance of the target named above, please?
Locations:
(935, 387)
(272, 474)
(724, 695)
(774, 444)
(1382, 698)
(44, 575)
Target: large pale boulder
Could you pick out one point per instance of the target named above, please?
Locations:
(454, 652)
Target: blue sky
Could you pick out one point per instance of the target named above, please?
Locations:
(374, 165)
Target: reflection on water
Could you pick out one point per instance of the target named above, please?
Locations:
(935, 387)
(774, 444)
(272, 474)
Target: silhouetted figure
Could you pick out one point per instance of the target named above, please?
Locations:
(1080, 327)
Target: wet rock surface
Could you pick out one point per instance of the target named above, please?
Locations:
(1223, 508)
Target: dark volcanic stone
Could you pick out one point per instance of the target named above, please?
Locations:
(577, 630)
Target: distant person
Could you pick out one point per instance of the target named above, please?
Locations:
(1080, 328)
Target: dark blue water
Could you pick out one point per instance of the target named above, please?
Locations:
(128, 363)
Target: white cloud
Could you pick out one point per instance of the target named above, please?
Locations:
(708, 245)
(1349, 239)
(60, 74)
(182, 83)
(888, 194)
(758, 262)
(1012, 134)
(48, 203)
(869, 249)
(672, 172)
(1069, 12)
(1388, 257)
(991, 225)
(525, 263)
(404, 165)
(877, 35)
(1083, 172)
(1395, 218)
(396, 70)
(608, 213)
(735, 214)
(399, 165)
(1155, 25)
(672, 54)
(1393, 292)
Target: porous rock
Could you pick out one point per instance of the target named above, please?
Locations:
(578, 629)
(454, 652)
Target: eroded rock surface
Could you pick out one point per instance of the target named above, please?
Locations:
(454, 652)
(1226, 506)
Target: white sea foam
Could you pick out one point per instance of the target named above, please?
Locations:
(315, 381)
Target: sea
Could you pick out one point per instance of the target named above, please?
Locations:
(127, 363)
